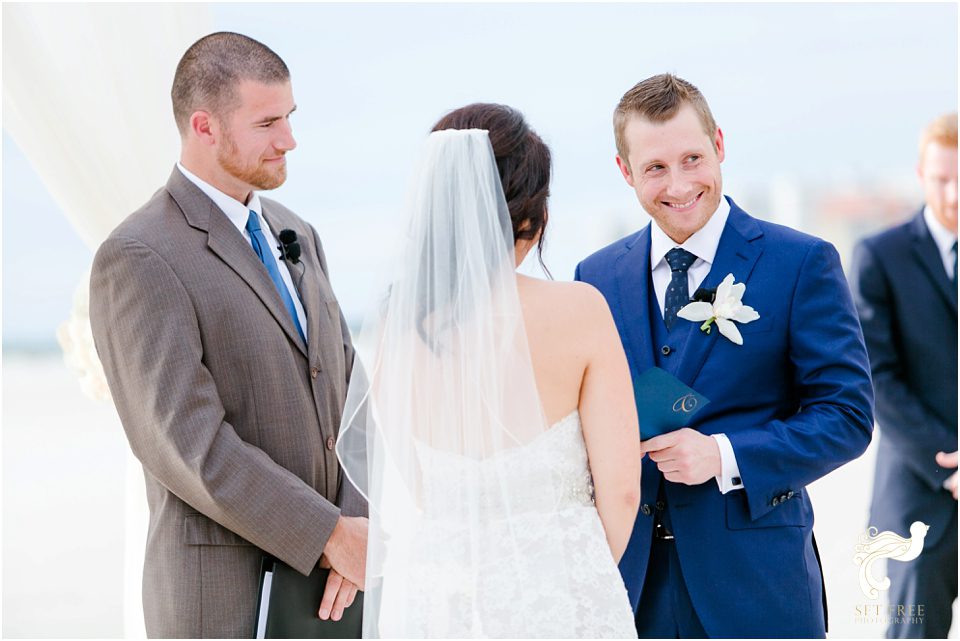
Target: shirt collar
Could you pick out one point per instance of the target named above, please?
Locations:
(943, 237)
(703, 244)
(236, 211)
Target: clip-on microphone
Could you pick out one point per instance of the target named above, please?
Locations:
(290, 250)
(704, 295)
(289, 246)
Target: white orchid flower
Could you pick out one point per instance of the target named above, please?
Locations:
(726, 309)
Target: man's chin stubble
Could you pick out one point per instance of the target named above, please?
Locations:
(265, 181)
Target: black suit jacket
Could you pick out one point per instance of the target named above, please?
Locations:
(908, 310)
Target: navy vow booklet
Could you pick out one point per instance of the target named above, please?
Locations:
(664, 402)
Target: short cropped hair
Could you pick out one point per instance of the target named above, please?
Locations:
(209, 74)
(943, 131)
(658, 99)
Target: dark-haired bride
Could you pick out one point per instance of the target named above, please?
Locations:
(491, 421)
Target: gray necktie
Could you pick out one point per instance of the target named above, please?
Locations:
(954, 250)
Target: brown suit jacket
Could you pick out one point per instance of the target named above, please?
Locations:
(233, 417)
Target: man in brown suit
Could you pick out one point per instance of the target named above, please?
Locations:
(228, 359)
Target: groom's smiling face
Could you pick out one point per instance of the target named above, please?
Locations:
(674, 167)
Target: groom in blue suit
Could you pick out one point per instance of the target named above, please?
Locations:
(723, 545)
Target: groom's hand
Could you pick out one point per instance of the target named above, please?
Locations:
(346, 549)
(338, 594)
(684, 456)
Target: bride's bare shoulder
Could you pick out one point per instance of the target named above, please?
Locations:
(576, 302)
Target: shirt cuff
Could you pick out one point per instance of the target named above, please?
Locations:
(729, 478)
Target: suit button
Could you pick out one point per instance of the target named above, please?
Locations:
(665, 350)
(314, 372)
(330, 443)
(776, 501)
(660, 505)
(791, 494)
(645, 509)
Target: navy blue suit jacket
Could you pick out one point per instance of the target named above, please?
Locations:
(908, 308)
(795, 400)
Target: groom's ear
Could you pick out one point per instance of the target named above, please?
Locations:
(718, 143)
(625, 170)
(202, 126)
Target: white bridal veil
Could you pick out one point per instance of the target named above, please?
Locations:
(442, 404)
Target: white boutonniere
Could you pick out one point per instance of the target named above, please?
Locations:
(725, 309)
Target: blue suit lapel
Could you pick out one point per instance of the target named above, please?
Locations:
(740, 247)
(632, 270)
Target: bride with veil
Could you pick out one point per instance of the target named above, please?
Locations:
(490, 420)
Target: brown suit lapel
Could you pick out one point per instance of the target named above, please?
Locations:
(228, 243)
(304, 275)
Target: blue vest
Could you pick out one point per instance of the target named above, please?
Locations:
(667, 343)
(667, 352)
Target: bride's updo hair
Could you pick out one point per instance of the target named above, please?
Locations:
(523, 162)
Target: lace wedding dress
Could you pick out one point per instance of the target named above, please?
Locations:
(566, 584)
(482, 522)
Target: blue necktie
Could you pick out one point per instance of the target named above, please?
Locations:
(262, 248)
(678, 292)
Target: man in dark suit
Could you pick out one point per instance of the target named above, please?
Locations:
(905, 285)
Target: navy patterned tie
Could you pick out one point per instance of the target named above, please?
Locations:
(678, 292)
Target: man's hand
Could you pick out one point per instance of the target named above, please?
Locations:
(949, 461)
(346, 549)
(338, 595)
(685, 456)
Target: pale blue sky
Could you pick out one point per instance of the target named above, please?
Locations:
(821, 93)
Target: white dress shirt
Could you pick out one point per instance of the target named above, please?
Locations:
(943, 237)
(703, 245)
(238, 213)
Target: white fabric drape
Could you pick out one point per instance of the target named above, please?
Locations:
(86, 97)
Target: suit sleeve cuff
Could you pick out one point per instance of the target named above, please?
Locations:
(729, 478)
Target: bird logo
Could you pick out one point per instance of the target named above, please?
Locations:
(875, 545)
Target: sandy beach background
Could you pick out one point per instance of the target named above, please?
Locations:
(64, 471)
